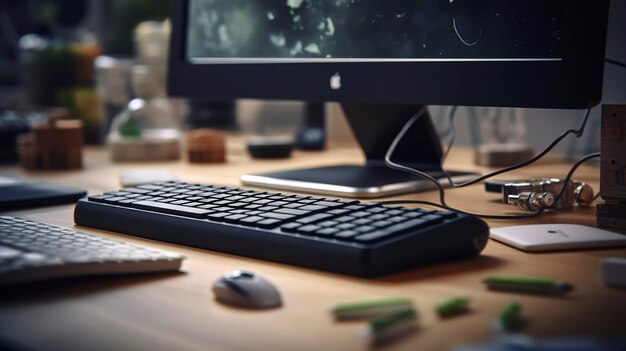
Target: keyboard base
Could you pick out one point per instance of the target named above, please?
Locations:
(462, 238)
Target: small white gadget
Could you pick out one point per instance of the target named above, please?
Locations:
(554, 237)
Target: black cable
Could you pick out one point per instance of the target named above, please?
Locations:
(566, 181)
(389, 163)
(615, 62)
(578, 132)
(451, 131)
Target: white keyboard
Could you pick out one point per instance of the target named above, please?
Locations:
(31, 251)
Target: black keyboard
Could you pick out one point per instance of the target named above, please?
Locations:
(363, 239)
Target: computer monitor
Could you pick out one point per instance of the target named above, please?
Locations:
(383, 60)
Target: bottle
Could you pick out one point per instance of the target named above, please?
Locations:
(147, 129)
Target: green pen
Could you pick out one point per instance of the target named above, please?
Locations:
(452, 306)
(527, 284)
(391, 325)
(371, 308)
(508, 317)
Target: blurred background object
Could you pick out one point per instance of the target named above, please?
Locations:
(81, 29)
(55, 143)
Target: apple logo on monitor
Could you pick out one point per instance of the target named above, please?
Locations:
(335, 81)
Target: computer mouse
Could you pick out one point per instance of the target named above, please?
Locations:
(246, 289)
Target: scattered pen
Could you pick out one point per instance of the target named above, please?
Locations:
(508, 318)
(527, 284)
(391, 325)
(452, 306)
(371, 308)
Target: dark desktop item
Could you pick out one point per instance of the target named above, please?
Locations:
(612, 213)
(342, 236)
(311, 139)
(18, 193)
(270, 146)
(246, 289)
(12, 125)
(312, 135)
(383, 60)
(28, 254)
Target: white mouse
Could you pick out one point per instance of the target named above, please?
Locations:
(246, 289)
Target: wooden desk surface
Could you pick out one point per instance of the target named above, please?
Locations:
(177, 311)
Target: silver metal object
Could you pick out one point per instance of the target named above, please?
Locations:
(532, 201)
(576, 193)
(583, 194)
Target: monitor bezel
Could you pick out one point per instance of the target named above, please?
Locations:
(575, 82)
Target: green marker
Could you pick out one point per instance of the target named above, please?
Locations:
(391, 325)
(371, 308)
(453, 306)
(527, 284)
(508, 317)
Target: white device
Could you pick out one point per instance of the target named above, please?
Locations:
(554, 237)
(614, 271)
(145, 176)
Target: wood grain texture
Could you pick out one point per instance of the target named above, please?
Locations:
(177, 311)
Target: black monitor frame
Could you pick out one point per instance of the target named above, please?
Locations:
(379, 97)
(573, 83)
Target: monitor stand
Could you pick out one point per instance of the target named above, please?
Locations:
(374, 126)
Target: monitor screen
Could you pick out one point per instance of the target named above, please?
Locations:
(254, 31)
(513, 53)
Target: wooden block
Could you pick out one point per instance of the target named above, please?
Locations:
(53, 145)
(206, 146)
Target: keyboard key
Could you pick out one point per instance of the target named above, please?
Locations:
(432, 218)
(194, 204)
(278, 203)
(280, 216)
(308, 229)
(378, 217)
(218, 216)
(251, 220)
(346, 226)
(365, 228)
(381, 224)
(292, 211)
(269, 223)
(328, 203)
(171, 209)
(413, 214)
(234, 218)
(373, 236)
(346, 234)
(448, 214)
(312, 208)
(345, 219)
(290, 227)
(328, 224)
(136, 190)
(409, 225)
(314, 218)
(327, 231)
(99, 198)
